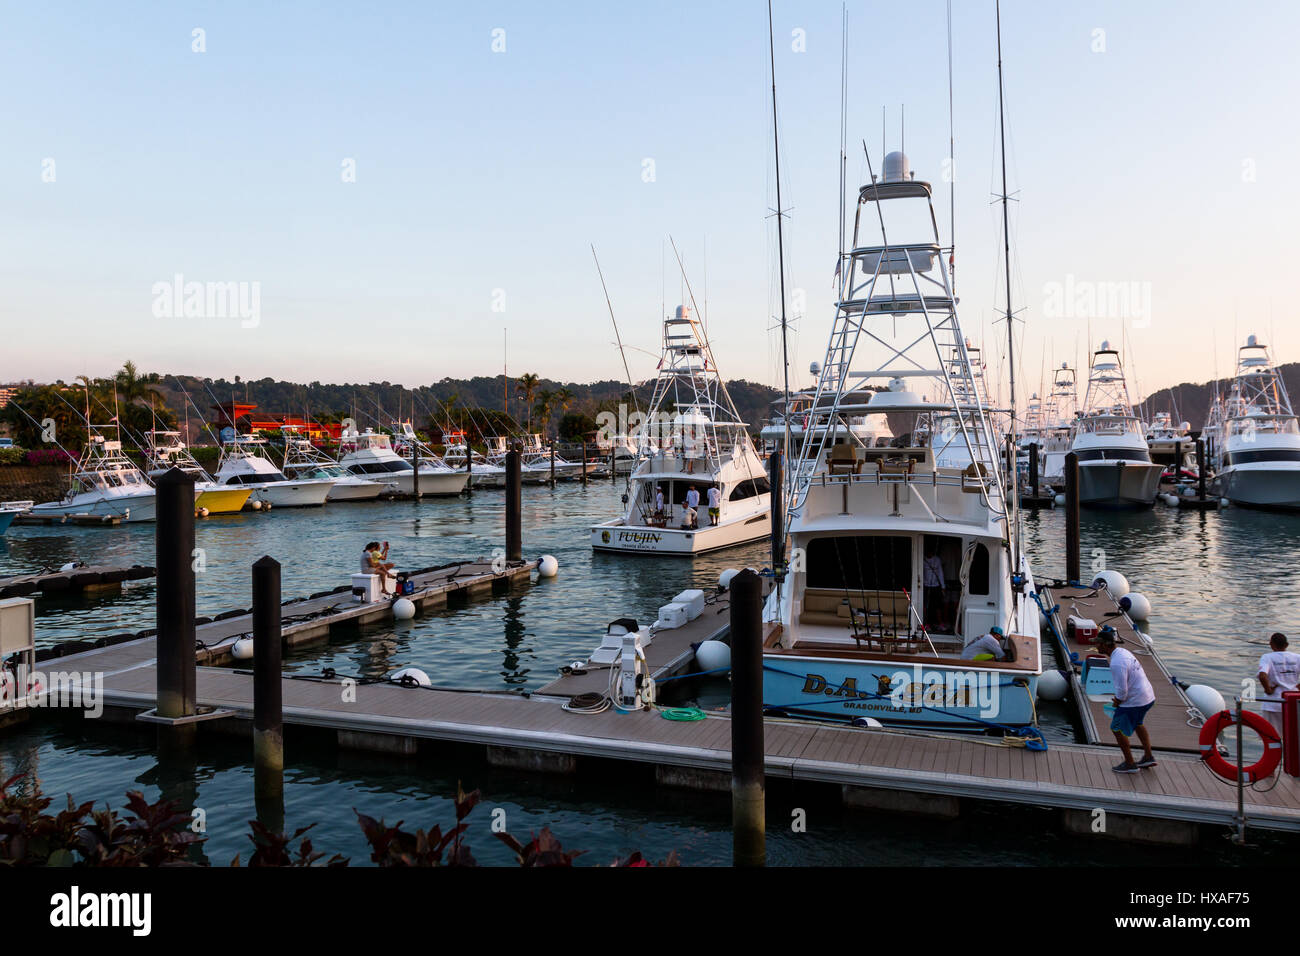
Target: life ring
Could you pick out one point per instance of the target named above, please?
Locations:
(1261, 768)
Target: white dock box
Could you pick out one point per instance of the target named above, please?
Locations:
(693, 601)
(673, 615)
(365, 588)
(17, 626)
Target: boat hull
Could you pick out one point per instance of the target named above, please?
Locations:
(1107, 484)
(1269, 488)
(617, 537)
(356, 491)
(905, 695)
(130, 509)
(432, 483)
(291, 494)
(222, 501)
(6, 519)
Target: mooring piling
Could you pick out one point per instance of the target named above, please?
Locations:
(1072, 517)
(584, 462)
(514, 508)
(749, 840)
(174, 544)
(268, 729)
(775, 469)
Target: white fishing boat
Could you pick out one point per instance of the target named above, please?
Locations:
(103, 482)
(1258, 448)
(901, 557)
(370, 454)
(537, 462)
(483, 473)
(692, 439)
(9, 510)
(165, 451)
(1173, 448)
(303, 460)
(1115, 466)
(447, 480)
(245, 464)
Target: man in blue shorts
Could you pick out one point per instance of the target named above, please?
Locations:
(1133, 698)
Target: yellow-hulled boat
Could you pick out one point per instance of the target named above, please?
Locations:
(221, 501)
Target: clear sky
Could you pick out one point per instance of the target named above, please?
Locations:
(1155, 155)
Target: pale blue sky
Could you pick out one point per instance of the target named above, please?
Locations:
(478, 171)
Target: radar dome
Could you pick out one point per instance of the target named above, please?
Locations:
(897, 168)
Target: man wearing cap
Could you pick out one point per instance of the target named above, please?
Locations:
(986, 648)
(1279, 671)
(1133, 698)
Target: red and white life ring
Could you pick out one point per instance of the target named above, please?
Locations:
(1261, 768)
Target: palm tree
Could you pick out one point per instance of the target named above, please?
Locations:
(545, 404)
(526, 387)
(564, 398)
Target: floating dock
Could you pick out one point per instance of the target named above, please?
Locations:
(85, 578)
(873, 768)
(87, 520)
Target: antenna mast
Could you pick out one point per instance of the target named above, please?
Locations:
(780, 247)
(1014, 491)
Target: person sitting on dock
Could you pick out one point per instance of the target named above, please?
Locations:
(715, 504)
(692, 519)
(1279, 671)
(986, 648)
(1133, 698)
(374, 560)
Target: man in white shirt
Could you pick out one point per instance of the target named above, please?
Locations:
(659, 502)
(692, 508)
(1279, 671)
(1133, 698)
(988, 647)
(933, 582)
(715, 504)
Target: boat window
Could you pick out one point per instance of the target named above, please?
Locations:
(1113, 454)
(867, 562)
(749, 489)
(1275, 454)
(979, 571)
(681, 488)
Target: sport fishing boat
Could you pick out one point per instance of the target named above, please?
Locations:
(483, 474)
(536, 459)
(1115, 466)
(302, 460)
(104, 482)
(9, 510)
(869, 431)
(693, 438)
(244, 463)
(166, 451)
(1259, 449)
(407, 444)
(901, 556)
(1173, 448)
(370, 454)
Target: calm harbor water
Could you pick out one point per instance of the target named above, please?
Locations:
(1218, 583)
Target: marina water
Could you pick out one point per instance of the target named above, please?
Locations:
(1219, 583)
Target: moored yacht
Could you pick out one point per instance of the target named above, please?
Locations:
(1259, 447)
(1173, 448)
(693, 439)
(304, 460)
(483, 473)
(901, 557)
(1115, 466)
(370, 454)
(244, 464)
(166, 451)
(9, 510)
(104, 482)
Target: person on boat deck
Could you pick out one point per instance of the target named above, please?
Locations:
(988, 647)
(374, 560)
(659, 502)
(692, 508)
(1133, 698)
(715, 504)
(934, 584)
(1279, 671)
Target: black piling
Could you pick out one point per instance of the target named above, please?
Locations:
(1033, 469)
(749, 839)
(415, 477)
(1072, 517)
(1200, 468)
(552, 464)
(584, 462)
(174, 544)
(268, 716)
(775, 469)
(514, 508)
